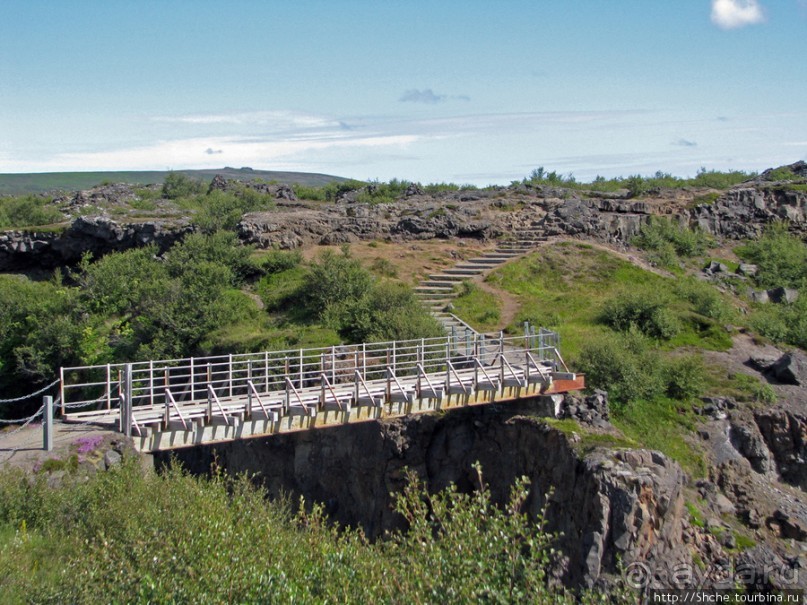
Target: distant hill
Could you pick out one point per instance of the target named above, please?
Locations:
(42, 182)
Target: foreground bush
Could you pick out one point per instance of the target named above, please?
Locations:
(126, 536)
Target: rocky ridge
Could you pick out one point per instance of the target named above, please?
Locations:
(614, 218)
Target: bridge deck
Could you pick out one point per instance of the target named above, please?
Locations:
(179, 403)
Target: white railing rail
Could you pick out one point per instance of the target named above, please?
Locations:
(170, 384)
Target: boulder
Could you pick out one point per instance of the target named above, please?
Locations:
(790, 368)
(783, 295)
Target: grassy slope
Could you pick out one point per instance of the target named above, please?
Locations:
(17, 184)
(565, 286)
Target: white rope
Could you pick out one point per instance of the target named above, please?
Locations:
(24, 397)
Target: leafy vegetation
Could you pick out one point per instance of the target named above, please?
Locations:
(781, 260)
(219, 540)
(481, 309)
(668, 241)
(638, 185)
(27, 211)
(632, 332)
(195, 299)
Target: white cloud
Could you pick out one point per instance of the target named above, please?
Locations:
(732, 14)
(268, 119)
(196, 153)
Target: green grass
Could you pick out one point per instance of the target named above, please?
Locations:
(589, 439)
(662, 425)
(16, 184)
(565, 286)
(479, 308)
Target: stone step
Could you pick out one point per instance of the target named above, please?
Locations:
(433, 288)
(438, 283)
(501, 255)
(465, 272)
(449, 278)
(485, 261)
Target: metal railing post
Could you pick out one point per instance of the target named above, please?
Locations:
(108, 386)
(47, 423)
(61, 388)
(230, 372)
(249, 391)
(127, 395)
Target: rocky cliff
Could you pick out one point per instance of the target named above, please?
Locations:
(606, 505)
(98, 235)
(739, 212)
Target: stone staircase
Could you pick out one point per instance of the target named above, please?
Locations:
(438, 290)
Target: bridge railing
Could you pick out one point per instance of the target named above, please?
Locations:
(234, 375)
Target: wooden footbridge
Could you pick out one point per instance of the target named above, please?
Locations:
(182, 402)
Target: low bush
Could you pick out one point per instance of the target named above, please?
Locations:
(220, 540)
(706, 300)
(781, 258)
(275, 261)
(27, 211)
(643, 309)
(661, 235)
(178, 185)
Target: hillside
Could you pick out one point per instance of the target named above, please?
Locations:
(45, 182)
(683, 302)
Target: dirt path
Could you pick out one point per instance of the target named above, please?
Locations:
(24, 448)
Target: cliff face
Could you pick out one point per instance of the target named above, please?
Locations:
(98, 235)
(606, 505)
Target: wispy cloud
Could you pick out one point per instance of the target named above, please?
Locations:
(685, 143)
(733, 14)
(429, 97)
(278, 120)
(426, 96)
(245, 151)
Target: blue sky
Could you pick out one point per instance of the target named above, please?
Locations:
(469, 92)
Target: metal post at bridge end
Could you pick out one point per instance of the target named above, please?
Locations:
(127, 409)
(47, 423)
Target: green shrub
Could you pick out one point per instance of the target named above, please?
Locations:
(706, 300)
(685, 377)
(786, 323)
(643, 309)
(623, 364)
(221, 540)
(659, 233)
(178, 185)
(275, 261)
(27, 211)
(334, 280)
(781, 258)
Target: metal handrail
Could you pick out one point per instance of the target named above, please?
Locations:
(170, 398)
(296, 394)
(481, 366)
(212, 393)
(258, 397)
(451, 370)
(324, 379)
(272, 368)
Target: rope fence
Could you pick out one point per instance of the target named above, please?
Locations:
(31, 395)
